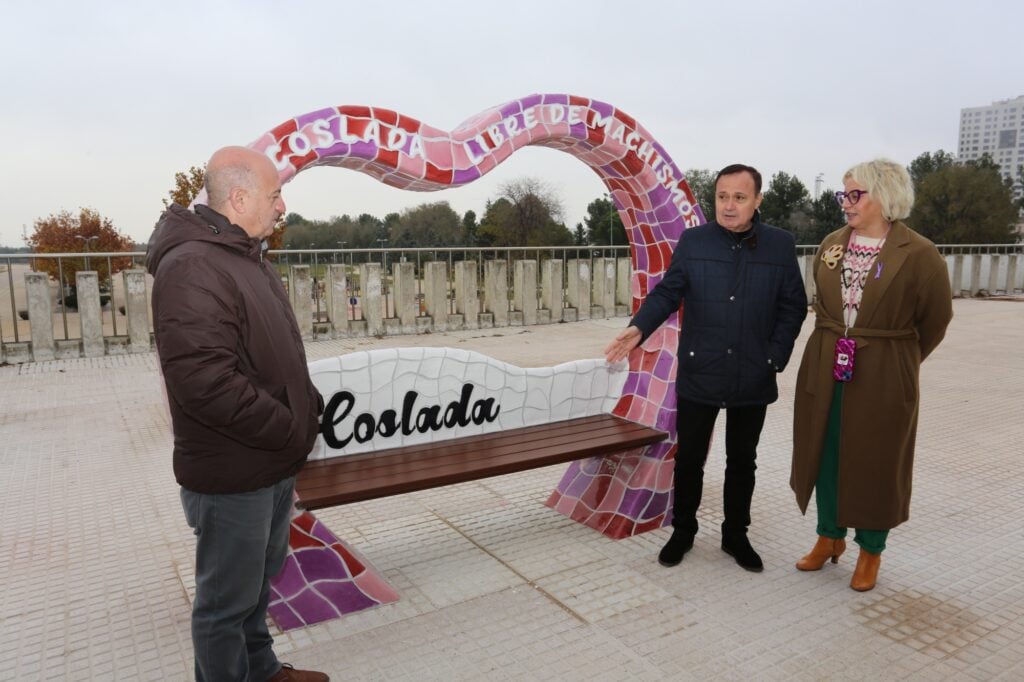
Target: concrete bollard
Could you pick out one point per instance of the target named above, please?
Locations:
(807, 268)
(300, 289)
(604, 286)
(623, 286)
(337, 300)
(975, 274)
(551, 289)
(496, 291)
(994, 263)
(40, 315)
(467, 302)
(372, 298)
(435, 293)
(524, 290)
(407, 307)
(90, 314)
(577, 291)
(137, 309)
(1011, 274)
(957, 285)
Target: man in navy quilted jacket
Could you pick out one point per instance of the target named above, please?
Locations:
(743, 304)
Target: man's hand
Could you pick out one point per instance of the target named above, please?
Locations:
(627, 340)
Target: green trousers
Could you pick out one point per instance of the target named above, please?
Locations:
(826, 488)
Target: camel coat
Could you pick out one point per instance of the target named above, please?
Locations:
(906, 307)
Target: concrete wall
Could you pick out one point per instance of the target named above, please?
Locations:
(569, 290)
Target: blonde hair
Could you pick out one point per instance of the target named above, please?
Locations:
(888, 183)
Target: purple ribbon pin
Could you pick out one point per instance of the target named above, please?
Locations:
(878, 270)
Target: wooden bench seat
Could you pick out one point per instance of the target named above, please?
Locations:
(340, 480)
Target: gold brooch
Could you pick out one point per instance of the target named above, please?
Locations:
(832, 256)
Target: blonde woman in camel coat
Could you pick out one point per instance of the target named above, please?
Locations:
(885, 287)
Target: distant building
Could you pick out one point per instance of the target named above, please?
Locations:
(997, 130)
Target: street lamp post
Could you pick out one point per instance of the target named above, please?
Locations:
(87, 241)
(383, 254)
(611, 222)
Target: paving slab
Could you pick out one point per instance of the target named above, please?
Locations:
(96, 557)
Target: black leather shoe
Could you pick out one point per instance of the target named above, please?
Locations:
(679, 544)
(738, 547)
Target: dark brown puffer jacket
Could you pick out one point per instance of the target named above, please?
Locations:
(243, 408)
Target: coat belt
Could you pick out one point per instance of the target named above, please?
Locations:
(864, 332)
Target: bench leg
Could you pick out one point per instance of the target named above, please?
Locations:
(323, 578)
(620, 495)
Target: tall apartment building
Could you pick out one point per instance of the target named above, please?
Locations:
(998, 130)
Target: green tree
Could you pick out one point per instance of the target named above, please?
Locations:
(579, 236)
(784, 198)
(470, 227)
(702, 184)
(428, 225)
(526, 214)
(928, 163)
(965, 204)
(825, 216)
(87, 231)
(603, 219)
(186, 186)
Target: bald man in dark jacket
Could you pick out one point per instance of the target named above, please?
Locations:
(243, 408)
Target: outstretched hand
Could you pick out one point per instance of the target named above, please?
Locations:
(619, 348)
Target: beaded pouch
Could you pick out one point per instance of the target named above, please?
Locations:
(846, 350)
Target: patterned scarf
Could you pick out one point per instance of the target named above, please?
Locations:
(860, 255)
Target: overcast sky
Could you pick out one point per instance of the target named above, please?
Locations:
(101, 103)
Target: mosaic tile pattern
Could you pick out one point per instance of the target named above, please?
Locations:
(618, 495)
(434, 380)
(323, 578)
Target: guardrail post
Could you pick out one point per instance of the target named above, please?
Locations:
(552, 291)
(435, 293)
(337, 300)
(466, 302)
(90, 314)
(524, 290)
(578, 290)
(1011, 274)
(975, 274)
(301, 290)
(994, 263)
(623, 286)
(604, 286)
(496, 291)
(958, 276)
(136, 309)
(407, 307)
(372, 298)
(40, 315)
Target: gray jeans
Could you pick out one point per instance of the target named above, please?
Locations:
(242, 541)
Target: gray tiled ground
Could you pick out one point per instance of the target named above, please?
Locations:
(95, 556)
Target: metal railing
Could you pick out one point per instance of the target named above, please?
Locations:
(13, 301)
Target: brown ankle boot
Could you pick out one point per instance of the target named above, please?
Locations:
(824, 549)
(866, 573)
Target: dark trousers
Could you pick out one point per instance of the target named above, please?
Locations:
(241, 543)
(695, 423)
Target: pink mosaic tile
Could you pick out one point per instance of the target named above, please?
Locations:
(649, 191)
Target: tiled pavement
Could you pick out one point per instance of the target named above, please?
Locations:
(95, 556)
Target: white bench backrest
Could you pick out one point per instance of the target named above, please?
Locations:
(393, 397)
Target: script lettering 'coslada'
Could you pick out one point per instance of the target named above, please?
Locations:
(338, 431)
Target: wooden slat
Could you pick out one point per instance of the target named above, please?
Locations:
(341, 480)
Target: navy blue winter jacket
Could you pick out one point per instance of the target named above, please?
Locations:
(743, 305)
